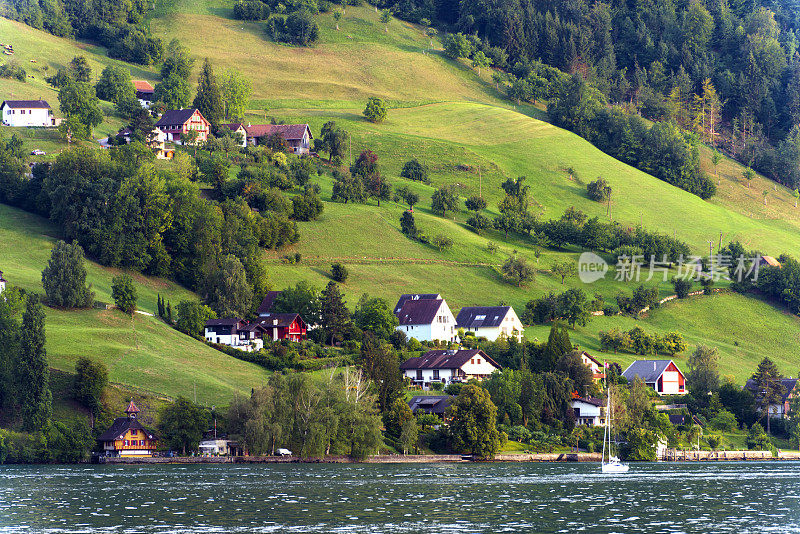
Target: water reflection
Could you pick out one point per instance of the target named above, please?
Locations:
(435, 498)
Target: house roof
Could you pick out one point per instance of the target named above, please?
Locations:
(232, 126)
(132, 408)
(122, 425)
(769, 260)
(18, 104)
(647, 370)
(788, 386)
(590, 357)
(481, 316)
(594, 401)
(437, 404)
(283, 319)
(228, 321)
(415, 296)
(177, 116)
(142, 86)
(290, 132)
(418, 311)
(269, 300)
(445, 359)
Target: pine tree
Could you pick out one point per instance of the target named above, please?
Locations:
(160, 306)
(558, 344)
(769, 387)
(169, 312)
(209, 95)
(335, 315)
(32, 371)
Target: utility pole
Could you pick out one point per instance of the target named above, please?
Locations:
(480, 182)
(710, 247)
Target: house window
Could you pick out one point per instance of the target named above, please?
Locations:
(22, 112)
(472, 361)
(436, 374)
(126, 442)
(419, 374)
(478, 361)
(133, 432)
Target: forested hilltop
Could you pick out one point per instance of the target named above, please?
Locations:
(726, 69)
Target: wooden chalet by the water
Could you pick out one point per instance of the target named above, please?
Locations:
(127, 437)
(176, 123)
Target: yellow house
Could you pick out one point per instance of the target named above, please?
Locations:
(127, 436)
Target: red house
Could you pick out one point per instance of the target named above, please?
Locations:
(176, 123)
(279, 326)
(661, 375)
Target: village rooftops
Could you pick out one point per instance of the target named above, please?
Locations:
(594, 401)
(415, 296)
(25, 104)
(436, 404)
(647, 370)
(268, 302)
(228, 321)
(788, 387)
(142, 86)
(174, 117)
(290, 132)
(415, 312)
(481, 316)
(279, 319)
(445, 359)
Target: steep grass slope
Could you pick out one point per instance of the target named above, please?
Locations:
(140, 352)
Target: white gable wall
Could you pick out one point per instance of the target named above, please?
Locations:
(26, 116)
(443, 327)
(507, 327)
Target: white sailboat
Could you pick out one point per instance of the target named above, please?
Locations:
(613, 465)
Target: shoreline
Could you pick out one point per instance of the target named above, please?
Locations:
(671, 456)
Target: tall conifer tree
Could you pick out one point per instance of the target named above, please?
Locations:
(32, 371)
(209, 96)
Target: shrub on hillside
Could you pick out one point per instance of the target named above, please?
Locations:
(599, 190)
(251, 10)
(339, 273)
(375, 110)
(413, 170)
(64, 278)
(682, 286)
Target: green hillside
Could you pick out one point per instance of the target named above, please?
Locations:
(461, 128)
(142, 352)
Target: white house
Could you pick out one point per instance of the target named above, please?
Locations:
(426, 317)
(27, 113)
(589, 411)
(144, 92)
(448, 366)
(237, 127)
(783, 406)
(490, 321)
(597, 368)
(2, 282)
(661, 375)
(236, 333)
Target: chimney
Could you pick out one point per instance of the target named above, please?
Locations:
(654, 366)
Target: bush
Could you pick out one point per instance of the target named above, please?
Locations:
(124, 293)
(437, 386)
(517, 271)
(64, 278)
(682, 286)
(413, 170)
(479, 223)
(442, 242)
(375, 110)
(339, 273)
(251, 10)
(599, 190)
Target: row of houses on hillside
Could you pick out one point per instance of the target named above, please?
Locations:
(249, 336)
(427, 317)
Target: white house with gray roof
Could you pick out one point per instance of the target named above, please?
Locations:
(490, 321)
(27, 113)
(661, 375)
(425, 317)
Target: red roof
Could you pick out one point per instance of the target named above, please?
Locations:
(132, 408)
(290, 132)
(143, 86)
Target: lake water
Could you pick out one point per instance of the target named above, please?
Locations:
(738, 497)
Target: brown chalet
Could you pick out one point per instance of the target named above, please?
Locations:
(297, 136)
(144, 92)
(128, 437)
(176, 123)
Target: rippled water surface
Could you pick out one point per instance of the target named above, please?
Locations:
(446, 498)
